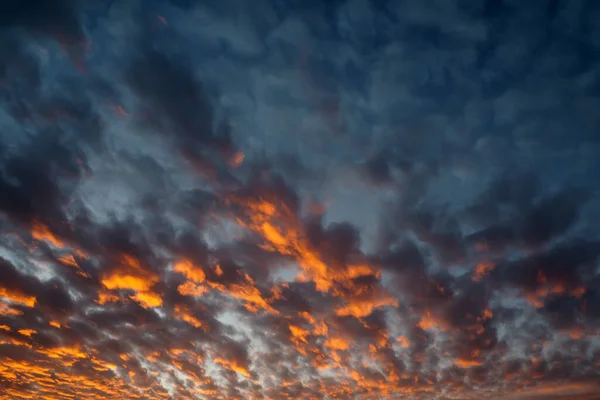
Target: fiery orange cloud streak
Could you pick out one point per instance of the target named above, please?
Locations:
(41, 232)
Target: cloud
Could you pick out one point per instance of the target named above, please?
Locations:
(351, 200)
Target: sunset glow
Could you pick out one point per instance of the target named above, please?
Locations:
(299, 200)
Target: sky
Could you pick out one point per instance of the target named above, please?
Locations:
(286, 199)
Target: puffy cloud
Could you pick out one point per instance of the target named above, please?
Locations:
(324, 200)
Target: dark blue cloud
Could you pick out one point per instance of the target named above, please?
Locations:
(274, 199)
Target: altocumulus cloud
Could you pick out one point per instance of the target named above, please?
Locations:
(299, 199)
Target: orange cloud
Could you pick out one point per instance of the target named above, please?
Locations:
(236, 159)
(191, 289)
(27, 332)
(462, 363)
(428, 322)
(232, 365)
(283, 232)
(106, 297)
(360, 308)
(6, 310)
(134, 279)
(337, 343)
(16, 296)
(298, 333)
(126, 281)
(252, 296)
(41, 232)
(64, 352)
(183, 314)
(147, 299)
(403, 341)
(481, 270)
(190, 271)
(559, 390)
(70, 261)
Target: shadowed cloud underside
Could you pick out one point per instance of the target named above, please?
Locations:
(279, 199)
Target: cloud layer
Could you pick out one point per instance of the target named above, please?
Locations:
(312, 200)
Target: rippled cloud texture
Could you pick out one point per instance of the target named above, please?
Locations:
(299, 199)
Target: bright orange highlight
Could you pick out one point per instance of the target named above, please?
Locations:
(41, 232)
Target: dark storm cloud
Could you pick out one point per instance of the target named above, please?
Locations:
(34, 173)
(175, 103)
(549, 266)
(44, 134)
(537, 218)
(50, 296)
(43, 16)
(145, 256)
(40, 19)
